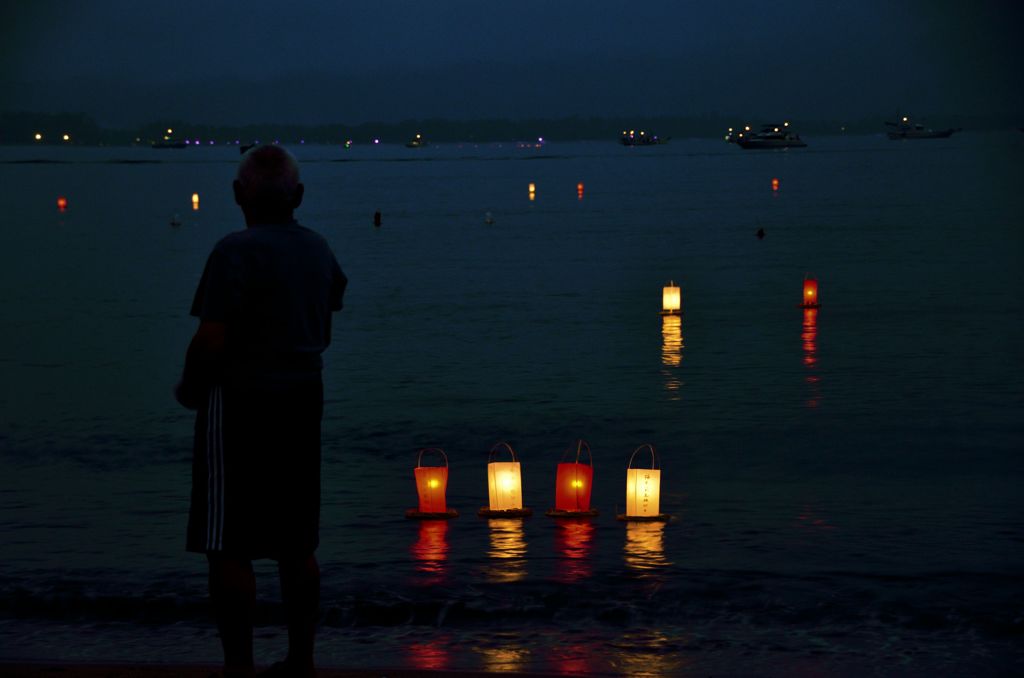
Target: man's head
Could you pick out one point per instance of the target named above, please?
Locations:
(267, 186)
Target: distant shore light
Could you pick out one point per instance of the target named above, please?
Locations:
(67, 137)
(170, 131)
(38, 136)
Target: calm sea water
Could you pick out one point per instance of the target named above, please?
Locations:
(845, 485)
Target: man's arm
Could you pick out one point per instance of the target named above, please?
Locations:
(202, 363)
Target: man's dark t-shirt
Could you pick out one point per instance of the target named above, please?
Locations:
(275, 287)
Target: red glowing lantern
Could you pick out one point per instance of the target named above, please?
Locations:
(579, 190)
(62, 203)
(431, 483)
(810, 298)
(775, 184)
(573, 483)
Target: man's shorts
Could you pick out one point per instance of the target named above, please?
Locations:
(256, 471)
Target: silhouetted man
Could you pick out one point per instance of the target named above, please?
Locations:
(253, 373)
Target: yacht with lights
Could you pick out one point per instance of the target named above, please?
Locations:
(640, 138)
(772, 135)
(416, 142)
(904, 129)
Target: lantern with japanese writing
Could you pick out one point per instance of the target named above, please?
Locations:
(643, 489)
(431, 483)
(671, 299)
(504, 485)
(573, 482)
(810, 298)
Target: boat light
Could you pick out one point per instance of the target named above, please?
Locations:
(67, 137)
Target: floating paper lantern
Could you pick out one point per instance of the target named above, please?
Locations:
(504, 485)
(574, 482)
(643, 490)
(775, 184)
(431, 484)
(62, 203)
(533, 191)
(195, 202)
(810, 298)
(579, 190)
(671, 299)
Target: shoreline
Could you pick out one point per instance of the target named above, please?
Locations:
(30, 669)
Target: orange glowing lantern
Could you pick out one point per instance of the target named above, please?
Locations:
(504, 486)
(431, 484)
(671, 299)
(62, 203)
(573, 484)
(195, 202)
(775, 184)
(643, 490)
(579, 190)
(810, 298)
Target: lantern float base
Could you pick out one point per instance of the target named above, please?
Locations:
(660, 518)
(485, 512)
(559, 513)
(810, 305)
(413, 514)
(670, 313)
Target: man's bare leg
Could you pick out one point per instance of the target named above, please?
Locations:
(233, 594)
(300, 590)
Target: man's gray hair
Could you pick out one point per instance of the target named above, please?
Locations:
(269, 175)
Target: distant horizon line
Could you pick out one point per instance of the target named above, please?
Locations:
(35, 128)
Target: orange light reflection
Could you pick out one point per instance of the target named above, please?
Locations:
(507, 552)
(672, 353)
(574, 543)
(430, 550)
(809, 337)
(645, 546)
(432, 655)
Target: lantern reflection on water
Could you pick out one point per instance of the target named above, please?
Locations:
(645, 546)
(671, 340)
(431, 484)
(671, 299)
(507, 552)
(506, 658)
(573, 484)
(430, 551)
(504, 486)
(809, 337)
(432, 655)
(810, 296)
(574, 542)
(643, 490)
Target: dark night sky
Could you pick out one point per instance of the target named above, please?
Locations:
(219, 62)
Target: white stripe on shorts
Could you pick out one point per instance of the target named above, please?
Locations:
(215, 469)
